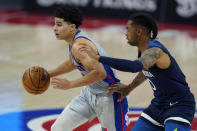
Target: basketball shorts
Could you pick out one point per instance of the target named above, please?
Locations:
(165, 115)
(112, 115)
(144, 125)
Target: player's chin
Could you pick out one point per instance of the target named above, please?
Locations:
(58, 38)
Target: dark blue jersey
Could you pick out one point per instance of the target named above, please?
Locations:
(168, 84)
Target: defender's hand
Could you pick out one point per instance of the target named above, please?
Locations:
(62, 84)
(124, 90)
(89, 50)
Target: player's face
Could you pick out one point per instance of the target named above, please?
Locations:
(62, 29)
(131, 34)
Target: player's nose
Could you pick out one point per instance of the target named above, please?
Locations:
(55, 28)
(126, 34)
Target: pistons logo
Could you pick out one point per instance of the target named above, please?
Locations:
(42, 120)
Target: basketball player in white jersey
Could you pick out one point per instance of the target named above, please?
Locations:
(94, 99)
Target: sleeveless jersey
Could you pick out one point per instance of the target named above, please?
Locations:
(168, 84)
(100, 86)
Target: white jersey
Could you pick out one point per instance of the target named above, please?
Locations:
(94, 101)
(100, 86)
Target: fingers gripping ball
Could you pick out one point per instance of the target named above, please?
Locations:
(36, 80)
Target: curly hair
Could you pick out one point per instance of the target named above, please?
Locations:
(70, 14)
(147, 21)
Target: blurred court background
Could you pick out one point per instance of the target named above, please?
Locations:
(27, 39)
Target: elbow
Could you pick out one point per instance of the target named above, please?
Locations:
(101, 75)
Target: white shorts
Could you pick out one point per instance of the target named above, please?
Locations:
(112, 115)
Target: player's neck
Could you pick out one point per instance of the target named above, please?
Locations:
(143, 44)
(70, 39)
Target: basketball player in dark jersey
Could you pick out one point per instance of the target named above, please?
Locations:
(173, 105)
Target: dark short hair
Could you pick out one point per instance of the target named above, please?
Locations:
(69, 14)
(147, 21)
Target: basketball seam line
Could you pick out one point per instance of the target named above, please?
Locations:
(31, 79)
(32, 89)
(39, 78)
(47, 80)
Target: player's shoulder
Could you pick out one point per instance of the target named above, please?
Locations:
(80, 40)
(77, 43)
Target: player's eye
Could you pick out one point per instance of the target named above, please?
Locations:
(59, 25)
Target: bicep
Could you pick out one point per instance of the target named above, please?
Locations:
(155, 56)
(150, 57)
(90, 63)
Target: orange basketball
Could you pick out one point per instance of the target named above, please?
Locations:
(36, 80)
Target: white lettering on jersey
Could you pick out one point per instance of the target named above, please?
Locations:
(152, 85)
(147, 73)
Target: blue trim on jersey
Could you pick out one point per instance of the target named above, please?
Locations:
(155, 43)
(73, 56)
(111, 74)
(77, 33)
(82, 37)
(121, 110)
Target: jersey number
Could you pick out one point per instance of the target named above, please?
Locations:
(152, 85)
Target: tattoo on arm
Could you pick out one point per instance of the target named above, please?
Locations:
(139, 79)
(150, 57)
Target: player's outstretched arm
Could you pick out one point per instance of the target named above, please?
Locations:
(149, 58)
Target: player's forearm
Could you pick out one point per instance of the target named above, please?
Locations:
(61, 69)
(90, 78)
(122, 64)
(139, 79)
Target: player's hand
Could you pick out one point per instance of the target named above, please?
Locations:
(124, 90)
(83, 47)
(62, 84)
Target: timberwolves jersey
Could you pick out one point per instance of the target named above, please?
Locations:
(100, 86)
(167, 84)
(173, 99)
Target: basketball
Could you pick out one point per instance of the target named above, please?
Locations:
(36, 80)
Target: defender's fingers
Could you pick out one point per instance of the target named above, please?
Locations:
(121, 98)
(83, 44)
(84, 49)
(114, 85)
(113, 90)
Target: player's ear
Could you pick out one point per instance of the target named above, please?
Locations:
(72, 27)
(139, 31)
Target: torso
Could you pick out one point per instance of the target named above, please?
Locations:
(168, 84)
(98, 87)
